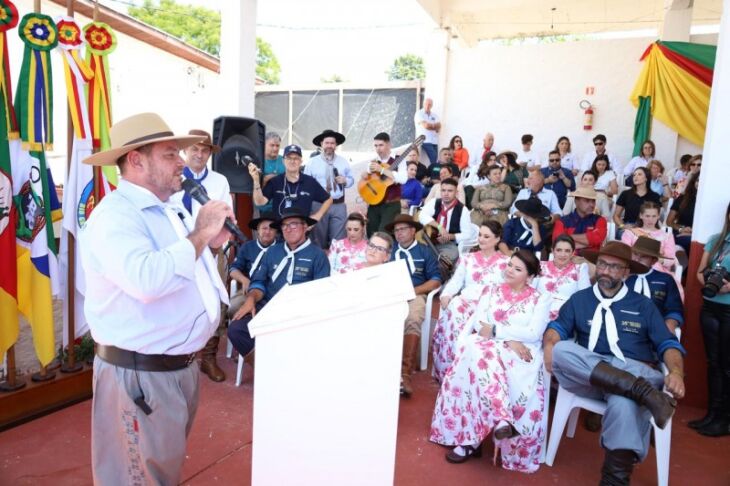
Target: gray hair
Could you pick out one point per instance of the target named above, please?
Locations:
(384, 236)
(273, 135)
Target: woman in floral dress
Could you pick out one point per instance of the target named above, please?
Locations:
(348, 254)
(474, 271)
(561, 278)
(496, 383)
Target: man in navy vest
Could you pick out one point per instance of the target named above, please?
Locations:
(449, 219)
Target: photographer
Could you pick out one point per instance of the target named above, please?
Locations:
(715, 322)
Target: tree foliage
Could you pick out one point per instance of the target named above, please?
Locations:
(201, 27)
(334, 78)
(407, 67)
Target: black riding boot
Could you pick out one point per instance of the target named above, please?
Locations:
(617, 467)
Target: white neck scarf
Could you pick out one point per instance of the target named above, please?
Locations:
(406, 252)
(258, 259)
(641, 285)
(207, 279)
(289, 256)
(527, 233)
(597, 321)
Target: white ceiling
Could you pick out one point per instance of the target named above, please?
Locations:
(475, 20)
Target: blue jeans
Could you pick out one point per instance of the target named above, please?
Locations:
(431, 150)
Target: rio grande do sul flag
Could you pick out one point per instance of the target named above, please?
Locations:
(8, 275)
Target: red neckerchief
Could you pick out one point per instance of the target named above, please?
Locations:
(442, 217)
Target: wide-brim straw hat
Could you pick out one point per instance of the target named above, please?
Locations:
(136, 131)
(403, 219)
(618, 250)
(585, 193)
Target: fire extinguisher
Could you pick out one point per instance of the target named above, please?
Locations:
(587, 114)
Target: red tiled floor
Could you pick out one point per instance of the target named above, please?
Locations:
(55, 450)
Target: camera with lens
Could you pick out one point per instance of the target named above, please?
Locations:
(714, 280)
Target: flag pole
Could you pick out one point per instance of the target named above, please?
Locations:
(71, 366)
(12, 382)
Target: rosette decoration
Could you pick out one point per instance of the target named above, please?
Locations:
(34, 98)
(8, 20)
(77, 73)
(100, 42)
(674, 86)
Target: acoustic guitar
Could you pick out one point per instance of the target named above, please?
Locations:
(372, 188)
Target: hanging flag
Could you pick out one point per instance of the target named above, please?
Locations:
(8, 275)
(100, 42)
(34, 96)
(36, 202)
(78, 193)
(674, 86)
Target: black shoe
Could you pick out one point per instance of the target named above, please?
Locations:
(617, 467)
(704, 421)
(718, 428)
(471, 451)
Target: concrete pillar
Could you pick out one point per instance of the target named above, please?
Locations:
(712, 201)
(437, 71)
(238, 58)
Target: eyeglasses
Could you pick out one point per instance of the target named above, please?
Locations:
(374, 247)
(597, 143)
(292, 225)
(554, 160)
(612, 267)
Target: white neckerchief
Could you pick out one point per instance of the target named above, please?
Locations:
(259, 257)
(409, 257)
(641, 285)
(597, 321)
(527, 233)
(289, 256)
(207, 278)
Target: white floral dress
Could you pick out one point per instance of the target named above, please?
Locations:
(561, 283)
(488, 382)
(345, 257)
(474, 272)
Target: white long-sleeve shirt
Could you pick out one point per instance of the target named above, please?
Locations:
(319, 168)
(466, 230)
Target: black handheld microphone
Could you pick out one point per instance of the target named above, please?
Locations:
(197, 192)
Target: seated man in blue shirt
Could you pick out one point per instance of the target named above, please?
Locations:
(619, 335)
(249, 257)
(660, 287)
(292, 261)
(558, 179)
(291, 189)
(528, 231)
(424, 269)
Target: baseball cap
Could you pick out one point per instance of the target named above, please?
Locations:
(292, 149)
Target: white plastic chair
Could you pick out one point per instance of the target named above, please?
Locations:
(567, 409)
(229, 345)
(426, 328)
(466, 245)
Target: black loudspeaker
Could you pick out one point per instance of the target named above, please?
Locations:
(238, 137)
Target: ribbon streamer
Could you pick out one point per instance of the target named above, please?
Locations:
(8, 20)
(77, 73)
(101, 42)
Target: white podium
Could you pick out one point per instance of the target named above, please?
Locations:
(327, 379)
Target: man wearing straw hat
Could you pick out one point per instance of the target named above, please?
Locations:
(619, 336)
(217, 187)
(587, 229)
(153, 300)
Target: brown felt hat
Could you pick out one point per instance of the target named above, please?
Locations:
(647, 246)
(403, 219)
(208, 141)
(136, 131)
(619, 250)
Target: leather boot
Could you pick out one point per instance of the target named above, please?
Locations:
(208, 364)
(410, 349)
(720, 425)
(714, 399)
(619, 382)
(617, 467)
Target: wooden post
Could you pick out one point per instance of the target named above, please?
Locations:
(43, 375)
(70, 366)
(12, 382)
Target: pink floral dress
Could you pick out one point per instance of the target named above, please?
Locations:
(345, 257)
(668, 248)
(488, 382)
(473, 273)
(561, 283)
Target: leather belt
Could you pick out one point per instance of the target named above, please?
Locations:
(143, 362)
(339, 200)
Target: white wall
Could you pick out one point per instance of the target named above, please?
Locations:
(512, 90)
(143, 78)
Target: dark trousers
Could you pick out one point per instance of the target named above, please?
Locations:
(684, 241)
(715, 323)
(239, 336)
(431, 150)
(380, 215)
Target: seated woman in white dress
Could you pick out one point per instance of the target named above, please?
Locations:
(348, 254)
(474, 271)
(496, 382)
(561, 277)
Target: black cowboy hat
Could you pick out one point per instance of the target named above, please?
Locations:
(267, 216)
(618, 250)
(339, 138)
(403, 219)
(293, 212)
(533, 208)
